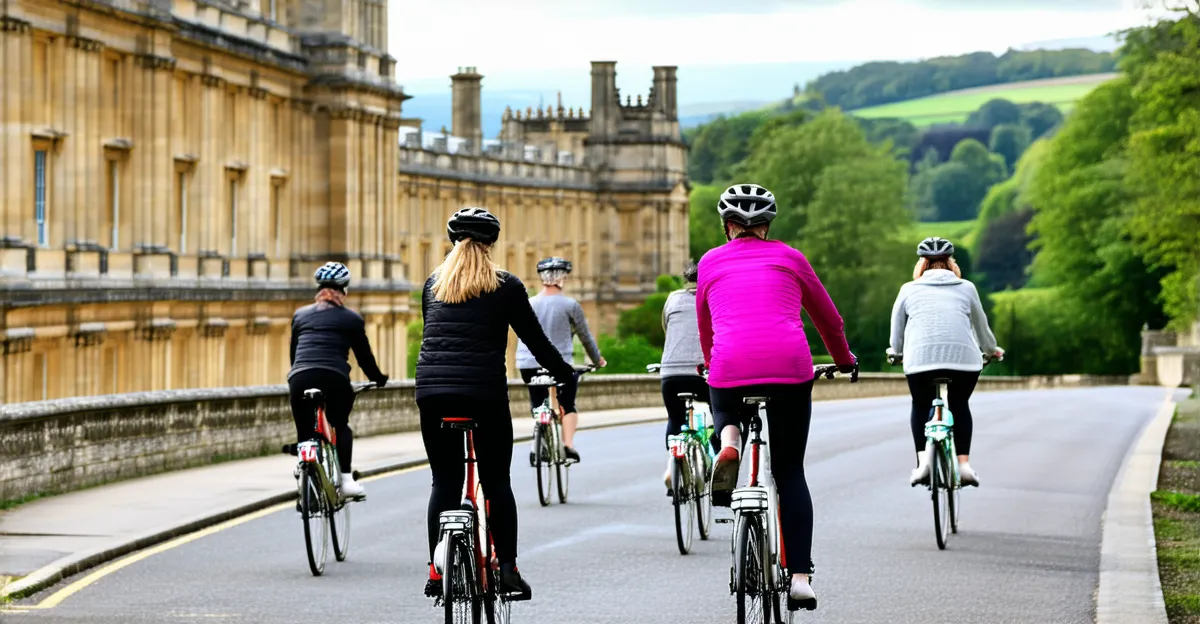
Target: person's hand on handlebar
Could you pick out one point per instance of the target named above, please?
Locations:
(602, 363)
(846, 369)
(381, 382)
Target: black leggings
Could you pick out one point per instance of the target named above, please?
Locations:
(788, 415)
(962, 384)
(339, 400)
(493, 451)
(677, 407)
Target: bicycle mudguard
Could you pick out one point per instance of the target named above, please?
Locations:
(750, 499)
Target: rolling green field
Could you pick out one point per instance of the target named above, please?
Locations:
(957, 232)
(956, 105)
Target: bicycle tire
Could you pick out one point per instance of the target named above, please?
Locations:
(955, 490)
(312, 501)
(542, 462)
(703, 488)
(938, 494)
(561, 467)
(462, 605)
(684, 504)
(496, 606)
(339, 530)
(750, 578)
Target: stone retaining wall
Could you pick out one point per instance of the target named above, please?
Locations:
(56, 446)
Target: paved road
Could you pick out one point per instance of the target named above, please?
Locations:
(1028, 550)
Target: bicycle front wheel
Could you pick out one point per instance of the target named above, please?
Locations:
(939, 489)
(339, 529)
(685, 504)
(542, 461)
(703, 489)
(750, 579)
(561, 467)
(316, 521)
(463, 605)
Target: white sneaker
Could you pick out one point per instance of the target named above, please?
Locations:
(801, 595)
(351, 489)
(920, 474)
(967, 475)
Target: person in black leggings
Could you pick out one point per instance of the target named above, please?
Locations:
(962, 385)
(468, 306)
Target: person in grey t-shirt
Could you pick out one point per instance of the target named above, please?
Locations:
(562, 319)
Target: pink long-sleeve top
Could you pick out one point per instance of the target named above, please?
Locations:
(748, 303)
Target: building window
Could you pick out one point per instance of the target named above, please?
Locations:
(181, 207)
(39, 198)
(233, 217)
(114, 203)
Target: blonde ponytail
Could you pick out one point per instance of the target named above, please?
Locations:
(466, 273)
(924, 264)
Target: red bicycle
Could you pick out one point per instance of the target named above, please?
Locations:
(466, 554)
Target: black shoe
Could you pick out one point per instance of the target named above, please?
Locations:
(512, 585)
(433, 588)
(572, 454)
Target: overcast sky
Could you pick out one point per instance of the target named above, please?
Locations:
(430, 38)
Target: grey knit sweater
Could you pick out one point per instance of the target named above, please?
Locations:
(938, 323)
(681, 352)
(561, 318)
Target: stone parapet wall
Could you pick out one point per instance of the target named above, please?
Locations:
(56, 446)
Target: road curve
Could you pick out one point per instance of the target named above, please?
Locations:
(1028, 549)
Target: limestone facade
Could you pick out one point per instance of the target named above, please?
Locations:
(172, 171)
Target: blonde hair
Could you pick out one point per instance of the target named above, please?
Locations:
(924, 264)
(331, 296)
(466, 273)
(734, 230)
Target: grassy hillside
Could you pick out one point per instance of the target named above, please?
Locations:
(955, 106)
(957, 232)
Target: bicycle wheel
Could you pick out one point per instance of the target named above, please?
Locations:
(561, 467)
(316, 521)
(703, 490)
(685, 504)
(459, 583)
(339, 529)
(939, 493)
(750, 578)
(497, 607)
(542, 460)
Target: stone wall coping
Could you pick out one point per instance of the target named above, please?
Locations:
(1176, 350)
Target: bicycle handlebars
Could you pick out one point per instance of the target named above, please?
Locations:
(898, 358)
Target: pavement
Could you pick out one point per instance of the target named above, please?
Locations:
(1028, 550)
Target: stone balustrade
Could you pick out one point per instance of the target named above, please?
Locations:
(56, 446)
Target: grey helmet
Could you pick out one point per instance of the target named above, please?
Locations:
(333, 275)
(554, 264)
(747, 205)
(935, 247)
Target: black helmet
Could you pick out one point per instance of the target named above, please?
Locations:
(691, 272)
(554, 264)
(935, 247)
(476, 224)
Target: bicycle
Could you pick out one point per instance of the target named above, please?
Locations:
(324, 512)
(465, 555)
(549, 455)
(757, 577)
(691, 473)
(944, 481)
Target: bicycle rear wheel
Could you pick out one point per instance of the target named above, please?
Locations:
(702, 487)
(750, 578)
(497, 607)
(463, 605)
(316, 521)
(939, 493)
(561, 467)
(339, 529)
(542, 462)
(684, 503)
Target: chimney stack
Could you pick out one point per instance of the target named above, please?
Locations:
(665, 100)
(467, 121)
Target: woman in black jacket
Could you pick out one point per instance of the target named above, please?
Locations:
(468, 305)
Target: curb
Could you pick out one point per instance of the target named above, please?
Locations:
(1130, 590)
(73, 564)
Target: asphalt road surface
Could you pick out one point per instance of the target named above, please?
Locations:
(1028, 549)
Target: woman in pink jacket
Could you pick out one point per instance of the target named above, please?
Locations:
(748, 303)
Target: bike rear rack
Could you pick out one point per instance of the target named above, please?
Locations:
(455, 520)
(749, 499)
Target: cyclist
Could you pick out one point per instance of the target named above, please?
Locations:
(468, 305)
(323, 334)
(561, 318)
(681, 355)
(748, 303)
(940, 328)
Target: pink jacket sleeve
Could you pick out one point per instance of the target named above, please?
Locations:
(704, 319)
(823, 313)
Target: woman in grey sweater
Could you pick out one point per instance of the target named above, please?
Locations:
(681, 355)
(941, 330)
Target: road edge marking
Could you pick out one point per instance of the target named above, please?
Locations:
(1130, 590)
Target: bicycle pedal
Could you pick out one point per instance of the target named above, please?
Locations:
(807, 605)
(518, 596)
(723, 520)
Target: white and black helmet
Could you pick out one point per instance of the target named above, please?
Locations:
(747, 205)
(935, 247)
(333, 275)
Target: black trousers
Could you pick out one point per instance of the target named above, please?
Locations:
(447, 462)
(677, 408)
(789, 413)
(962, 385)
(339, 400)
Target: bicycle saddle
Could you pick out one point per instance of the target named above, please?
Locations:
(687, 395)
(312, 393)
(756, 400)
(942, 380)
(462, 424)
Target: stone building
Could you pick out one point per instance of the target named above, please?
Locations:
(172, 171)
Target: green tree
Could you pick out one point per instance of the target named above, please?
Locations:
(1040, 118)
(994, 113)
(1002, 252)
(989, 168)
(955, 192)
(1010, 141)
(704, 224)
(717, 146)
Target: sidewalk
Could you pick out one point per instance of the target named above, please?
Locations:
(47, 540)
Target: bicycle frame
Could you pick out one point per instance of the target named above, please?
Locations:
(320, 453)
(472, 515)
(939, 431)
(761, 498)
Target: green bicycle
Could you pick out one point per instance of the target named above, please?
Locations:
(691, 474)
